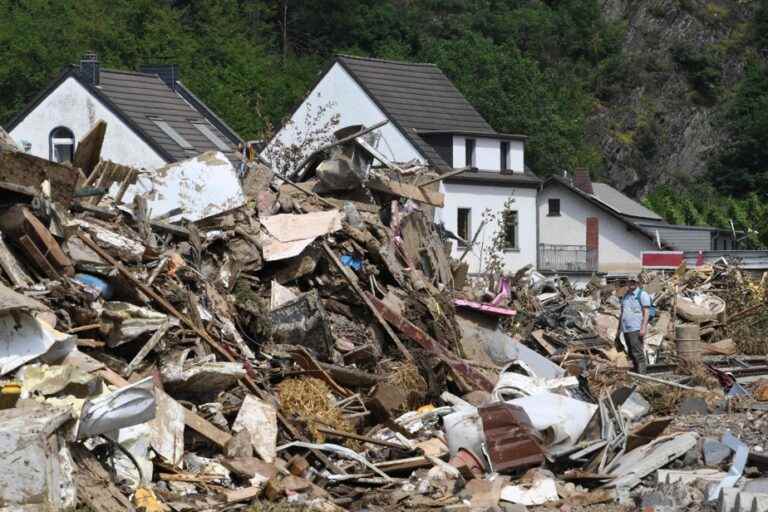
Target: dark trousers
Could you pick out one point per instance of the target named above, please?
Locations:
(636, 352)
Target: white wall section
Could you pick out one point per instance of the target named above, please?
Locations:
(488, 153)
(493, 197)
(73, 106)
(339, 93)
(619, 248)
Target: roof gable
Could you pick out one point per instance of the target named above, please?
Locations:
(136, 98)
(417, 98)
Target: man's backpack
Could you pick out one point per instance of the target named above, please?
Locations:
(652, 309)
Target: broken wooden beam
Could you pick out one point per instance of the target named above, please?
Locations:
(352, 280)
(358, 437)
(450, 174)
(94, 483)
(408, 464)
(20, 224)
(462, 369)
(221, 350)
(389, 186)
(144, 351)
(31, 172)
(88, 152)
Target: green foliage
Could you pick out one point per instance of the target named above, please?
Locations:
(531, 67)
(702, 68)
(528, 66)
(760, 25)
(701, 204)
(715, 13)
(741, 166)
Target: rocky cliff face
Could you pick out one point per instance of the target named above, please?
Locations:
(659, 99)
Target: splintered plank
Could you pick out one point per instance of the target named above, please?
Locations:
(94, 485)
(383, 184)
(88, 150)
(30, 171)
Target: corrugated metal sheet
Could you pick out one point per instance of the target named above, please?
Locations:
(747, 260)
(685, 239)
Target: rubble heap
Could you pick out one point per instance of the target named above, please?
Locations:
(205, 337)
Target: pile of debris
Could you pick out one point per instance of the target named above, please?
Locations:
(206, 337)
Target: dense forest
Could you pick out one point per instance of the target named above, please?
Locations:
(587, 80)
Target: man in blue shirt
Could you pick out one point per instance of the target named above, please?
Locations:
(633, 322)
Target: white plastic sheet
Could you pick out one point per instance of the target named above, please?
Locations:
(542, 490)
(290, 234)
(559, 418)
(514, 385)
(26, 338)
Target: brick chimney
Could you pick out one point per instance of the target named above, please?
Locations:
(89, 68)
(168, 73)
(582, 181)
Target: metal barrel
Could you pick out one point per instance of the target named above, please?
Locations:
(688, 341)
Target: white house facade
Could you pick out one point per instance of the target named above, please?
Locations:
(467, 203)
(563, 218)
(587, 227)
(430, 121)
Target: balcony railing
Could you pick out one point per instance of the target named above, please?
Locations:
(567, 258)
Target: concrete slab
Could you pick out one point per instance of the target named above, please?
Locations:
(36, 469)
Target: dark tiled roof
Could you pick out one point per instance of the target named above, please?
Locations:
(526, 179)
(141, 97)
(417, 97)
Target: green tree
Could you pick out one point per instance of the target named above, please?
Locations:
(741, 166)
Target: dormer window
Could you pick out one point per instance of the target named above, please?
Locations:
(61, 145)
(469, 153)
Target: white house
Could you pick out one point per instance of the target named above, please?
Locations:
(587, 227)
(152, 118)
(431, 122)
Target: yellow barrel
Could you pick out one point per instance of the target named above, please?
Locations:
(9, 395)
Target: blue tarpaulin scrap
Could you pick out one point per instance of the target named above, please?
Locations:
(352, 262)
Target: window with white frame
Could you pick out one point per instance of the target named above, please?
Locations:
(171, 132)
(61, 145)
(211, 136)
